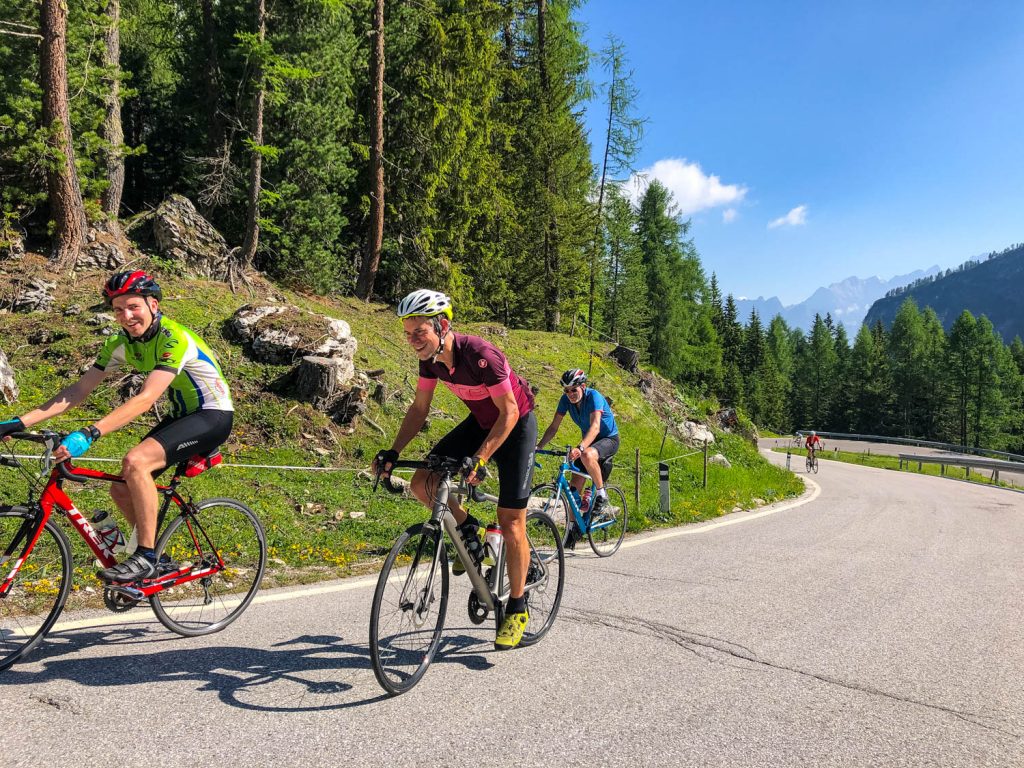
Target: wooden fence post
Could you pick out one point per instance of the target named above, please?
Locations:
(636, 482)
(706, 463)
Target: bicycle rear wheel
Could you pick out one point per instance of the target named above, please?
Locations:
(31, 606)
(809, 464)
(547, 499)
(608, 528)
(223, 535)
(545, 577)
(405, 632)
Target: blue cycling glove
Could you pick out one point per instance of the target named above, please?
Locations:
(10, 426)
(77, 443)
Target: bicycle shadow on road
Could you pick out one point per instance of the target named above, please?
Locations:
(304, 674)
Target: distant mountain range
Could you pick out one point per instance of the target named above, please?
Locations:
(847, 301)
(993, 287)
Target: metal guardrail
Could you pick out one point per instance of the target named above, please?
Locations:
(961, 461)
(915, 442)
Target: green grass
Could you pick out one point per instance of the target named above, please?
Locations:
(308, 516)
(883, 461)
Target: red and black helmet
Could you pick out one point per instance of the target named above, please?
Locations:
(574, 377)
(136, 283)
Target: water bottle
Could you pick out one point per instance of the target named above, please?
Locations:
(106, 526)
(585, 504)
(494, 542)
(576, 497)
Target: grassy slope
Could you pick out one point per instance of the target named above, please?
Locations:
(308, 516)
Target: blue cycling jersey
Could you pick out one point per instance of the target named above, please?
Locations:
(592, 401)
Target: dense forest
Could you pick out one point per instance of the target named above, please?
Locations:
(913, 379)
(369, 147)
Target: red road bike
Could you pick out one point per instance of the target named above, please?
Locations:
(211, 555)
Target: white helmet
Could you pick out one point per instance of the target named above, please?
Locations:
(425, 303)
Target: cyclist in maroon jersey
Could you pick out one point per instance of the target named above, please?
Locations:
(501, 425)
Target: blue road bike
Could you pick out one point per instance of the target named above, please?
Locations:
(604, 531)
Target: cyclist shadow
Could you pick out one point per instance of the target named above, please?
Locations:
(304, 674)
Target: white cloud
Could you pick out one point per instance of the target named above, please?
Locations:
(795, 218)
(691, 188)
(729, 214)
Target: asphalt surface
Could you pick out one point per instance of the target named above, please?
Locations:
(876, 624)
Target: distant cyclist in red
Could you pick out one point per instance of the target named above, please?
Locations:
(813, 443)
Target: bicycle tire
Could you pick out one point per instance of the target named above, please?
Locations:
(26, 611)
(808, 465)
(814, 465)
(402, 640)
(209, 604)
(606, 539)
(545, 498)
(547, 555)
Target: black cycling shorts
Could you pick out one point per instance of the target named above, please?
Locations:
(200, 432)
(606, 447)
(514, 458)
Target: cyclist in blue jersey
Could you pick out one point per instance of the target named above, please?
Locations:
(593, 415)
(177, 362)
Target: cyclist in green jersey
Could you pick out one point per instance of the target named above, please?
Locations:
(177, 362)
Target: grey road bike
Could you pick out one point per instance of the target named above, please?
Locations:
(411, 598)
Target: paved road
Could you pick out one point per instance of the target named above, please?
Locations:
(879, 624)
(890, 449)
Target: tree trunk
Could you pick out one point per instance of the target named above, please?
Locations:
(552, 312)
(252, 223)
(371, 260)
(112, 131)
(600, 200)
(211, 76)
(65, 194)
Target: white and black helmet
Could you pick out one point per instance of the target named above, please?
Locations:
(574, 377)
(425, 303)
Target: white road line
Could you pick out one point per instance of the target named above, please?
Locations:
(349, 585)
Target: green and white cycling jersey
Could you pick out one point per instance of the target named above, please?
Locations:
(199, 383)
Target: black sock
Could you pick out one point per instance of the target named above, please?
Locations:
(147, 552)
(516, 605)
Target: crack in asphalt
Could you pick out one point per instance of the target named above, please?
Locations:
(662, 579)
(700, 645)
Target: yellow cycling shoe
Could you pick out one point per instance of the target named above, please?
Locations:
(511, 632)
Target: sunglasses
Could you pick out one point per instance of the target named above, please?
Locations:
(570, 390)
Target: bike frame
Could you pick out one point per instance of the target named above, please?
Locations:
(563, 487)
(441, 519)
(53, 497)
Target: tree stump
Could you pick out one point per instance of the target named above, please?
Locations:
(320, 381)
(626, 358)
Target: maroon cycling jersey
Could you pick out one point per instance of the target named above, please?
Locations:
(479, 371)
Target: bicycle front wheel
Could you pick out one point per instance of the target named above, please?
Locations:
(409, 607)
(550, 501)
(545, 577)
(224, 537)
(814, 464)
(37, 595)
(608, 527)
(809, 464)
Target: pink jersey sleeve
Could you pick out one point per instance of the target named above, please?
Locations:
(426, 384)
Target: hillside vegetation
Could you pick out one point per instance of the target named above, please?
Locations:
(326, 524)
(992, 288)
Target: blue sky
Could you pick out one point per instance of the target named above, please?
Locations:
(811, 141)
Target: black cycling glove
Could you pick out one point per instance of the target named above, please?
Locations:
(384, 458)
(11, 426)
(475, 464)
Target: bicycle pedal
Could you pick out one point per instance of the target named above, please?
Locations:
(130, 592)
